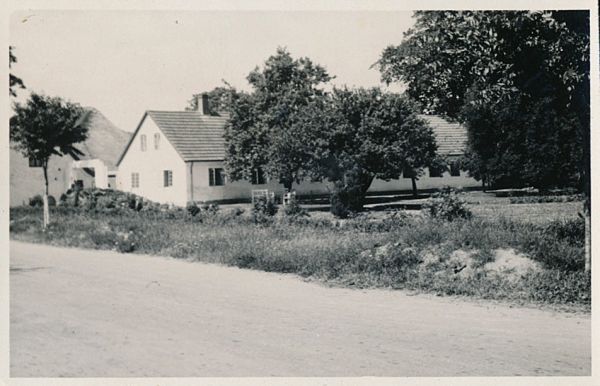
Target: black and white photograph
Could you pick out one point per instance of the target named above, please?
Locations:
(262, 191)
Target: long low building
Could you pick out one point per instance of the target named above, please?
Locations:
(178, 156)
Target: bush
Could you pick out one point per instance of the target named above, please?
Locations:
(293, 209)
(447, 205)
(345, 202)
(192, 209)
(263, 210)
(36, 201)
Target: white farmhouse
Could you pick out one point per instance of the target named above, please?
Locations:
(178, 156)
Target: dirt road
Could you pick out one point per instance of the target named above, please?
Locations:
(97, 313)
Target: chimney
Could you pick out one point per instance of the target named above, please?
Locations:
(202, 104)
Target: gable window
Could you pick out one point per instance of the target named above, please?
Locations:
(168, 177)
(258, 177)
(156, 140)
(35, 163)
(408, 172)
(455, 169)
(216, 177)
(143, 142)
(135, 180)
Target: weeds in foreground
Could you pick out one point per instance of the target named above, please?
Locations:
(398, 251)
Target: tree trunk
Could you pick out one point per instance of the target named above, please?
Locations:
(287, 184)
(46, 208)
(414, 187)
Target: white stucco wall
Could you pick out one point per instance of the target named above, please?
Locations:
(26, 182)
(243, 189)
(150, 165)
(426, 182)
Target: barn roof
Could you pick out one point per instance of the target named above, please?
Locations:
(451, 137)
(199, 137)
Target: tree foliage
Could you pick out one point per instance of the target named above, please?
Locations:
(366, 134)
(46, 126)
(219, 99)
(267, 128)
(519, 80)
(14, 81)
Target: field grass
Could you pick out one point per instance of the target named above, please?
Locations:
(382, 249)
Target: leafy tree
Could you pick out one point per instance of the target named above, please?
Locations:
(368, 134)
(14, 81)
(267, 128)
(46, 126)
(518, 80)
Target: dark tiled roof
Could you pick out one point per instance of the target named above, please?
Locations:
(451, 137)
(196, 137)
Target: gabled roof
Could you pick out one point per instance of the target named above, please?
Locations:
(196, 137)
(451, 137)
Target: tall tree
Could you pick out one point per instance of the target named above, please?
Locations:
(14, 81)
(46, 126)
(267, 128)
(519, 80)
(367, 134)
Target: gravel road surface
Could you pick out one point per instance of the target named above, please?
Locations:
(78, 313)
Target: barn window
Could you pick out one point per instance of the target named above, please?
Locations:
(455, 169)
(216, 177)
(35, 163)
(135, 180)
(168, 177)
(408, 172)
(143, 142)
(156, 140)
(258, 177)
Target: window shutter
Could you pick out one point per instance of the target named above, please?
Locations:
(211, 177)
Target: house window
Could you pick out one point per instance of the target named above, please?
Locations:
(35, 163)
(168, 177)
(435, 172)
(156, 140)
(258, 177)
(455, 169)
(143, 142)
(216, 177)
(135, 180)
(408, 172)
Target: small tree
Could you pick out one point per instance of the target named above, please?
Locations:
(46, 126)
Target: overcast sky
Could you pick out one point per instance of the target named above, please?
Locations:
(126, 62)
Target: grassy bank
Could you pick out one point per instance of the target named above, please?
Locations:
(491, 258)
